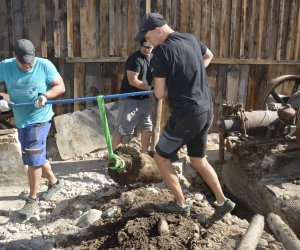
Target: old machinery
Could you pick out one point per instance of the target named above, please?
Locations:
(276, 120)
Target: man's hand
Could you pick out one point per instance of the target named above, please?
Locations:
(40, 102)
(4, 105)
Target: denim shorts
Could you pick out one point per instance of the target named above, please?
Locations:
(33, 139)
(189, 131)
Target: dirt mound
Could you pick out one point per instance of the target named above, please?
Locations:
(137, 226)
(93, 212)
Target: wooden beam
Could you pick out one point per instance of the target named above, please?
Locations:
(253, 233)
(243, 28)
(233, 30)
(95, 60)
(214, 61)
(43, 28)
(111, 27)
(280, 28)
(290, 44)
(70, 24)
(56, 29)
(254, 61)
(260, 35)
(76, 28)
(225, 29)
(283, 232)
(88, 28)
(79, 70)
(148, 6)
(124, 24)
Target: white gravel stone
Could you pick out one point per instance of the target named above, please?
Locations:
(89, 218)
(110, 213)
(199, 196)
(153, 190)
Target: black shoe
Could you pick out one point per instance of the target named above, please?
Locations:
(219, 213)
(173, 207)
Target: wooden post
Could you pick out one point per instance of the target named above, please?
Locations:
(157, 120)
(148, 6)
(253, 233)
(56, 28)
(283, 232)
(43, 28)
(70, 25)
(158, 105)
(111, 27)
(79, 72)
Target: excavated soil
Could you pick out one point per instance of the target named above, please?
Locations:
(124, 216)
(137, 227)
(269, 181)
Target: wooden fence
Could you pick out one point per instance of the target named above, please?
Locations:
(253, 41)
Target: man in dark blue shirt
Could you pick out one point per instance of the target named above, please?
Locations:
(178, 67)
(136, 111)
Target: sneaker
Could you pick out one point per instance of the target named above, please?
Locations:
(29, 208)
(174, 207)
(52, 189)
(220, 211)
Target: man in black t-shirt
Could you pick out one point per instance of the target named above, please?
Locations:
(136, 111)
(178, 67)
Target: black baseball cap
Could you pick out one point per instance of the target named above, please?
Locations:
(149, 22)
(25, 51)
(145, 44)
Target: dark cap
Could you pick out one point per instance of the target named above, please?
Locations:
(145, 44)
(25, 51)
(149, 22)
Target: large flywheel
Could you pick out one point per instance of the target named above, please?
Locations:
(279, 90)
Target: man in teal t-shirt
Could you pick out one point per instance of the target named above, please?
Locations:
(32, 79)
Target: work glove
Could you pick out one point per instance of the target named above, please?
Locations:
(4, 104)
(40, 102)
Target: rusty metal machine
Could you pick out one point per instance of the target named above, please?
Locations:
(275, 120)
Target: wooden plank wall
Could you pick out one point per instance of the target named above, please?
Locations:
(253, 41)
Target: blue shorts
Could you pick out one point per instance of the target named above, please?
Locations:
(33, 141)
(189, 131)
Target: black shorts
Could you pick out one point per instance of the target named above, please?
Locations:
(190, 131)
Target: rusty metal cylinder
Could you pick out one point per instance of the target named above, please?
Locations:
(256, 122)
(139, 167)
(286, 113)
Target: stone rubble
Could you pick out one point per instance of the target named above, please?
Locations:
(73, 210)
(65, 213)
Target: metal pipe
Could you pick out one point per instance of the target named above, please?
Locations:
(91, 98)
(254, 122)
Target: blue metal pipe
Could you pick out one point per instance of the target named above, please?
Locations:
(83, 99)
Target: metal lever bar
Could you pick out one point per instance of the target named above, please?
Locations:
(83, 99)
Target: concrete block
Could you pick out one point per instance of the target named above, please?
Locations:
(81, 132)
(12, 170)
